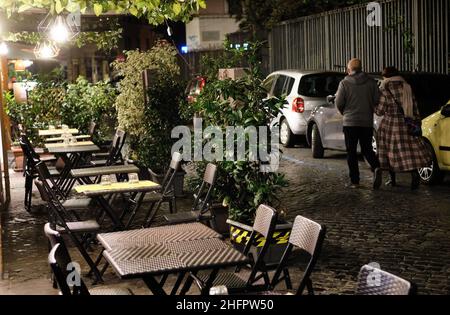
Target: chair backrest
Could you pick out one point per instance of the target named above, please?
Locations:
(308, 236)
(25, 141)
(374, 281)
(51, 195)
(202, 199)
(31, 157)
(174, 166)
(59, 260)
(210, 174)
(265, 221)
(115, 151)
(92, 128)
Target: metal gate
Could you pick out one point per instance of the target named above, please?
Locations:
(414, 35)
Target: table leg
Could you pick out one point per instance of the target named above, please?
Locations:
(209, 283)
(178, 283)
(187, 285)
(118, 225)
(135, 210)
(154, 286)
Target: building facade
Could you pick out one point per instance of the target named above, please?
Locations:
(208, 30)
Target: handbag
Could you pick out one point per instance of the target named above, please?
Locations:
(414, 126)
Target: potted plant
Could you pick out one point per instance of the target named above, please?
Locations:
(149, 123)
(241, 185)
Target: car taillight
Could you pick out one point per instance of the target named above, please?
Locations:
(202, 83)
(298, 105)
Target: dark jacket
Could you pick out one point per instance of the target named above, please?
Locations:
(356, 98)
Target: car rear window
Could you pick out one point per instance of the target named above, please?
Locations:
(283, 86)
(320, 85)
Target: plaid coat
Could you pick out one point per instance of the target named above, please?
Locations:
(397, 150)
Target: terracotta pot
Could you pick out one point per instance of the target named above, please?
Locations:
(18, 158)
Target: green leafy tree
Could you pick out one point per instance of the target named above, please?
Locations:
(241, 185)
(149, 124)
(155, 11)
(85, 102)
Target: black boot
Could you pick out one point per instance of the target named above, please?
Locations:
(392, 180)
(415, 180)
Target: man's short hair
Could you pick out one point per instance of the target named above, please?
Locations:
(355, 65)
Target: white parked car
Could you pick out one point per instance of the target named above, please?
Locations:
(304, 92)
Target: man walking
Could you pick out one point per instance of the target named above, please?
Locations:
(356, 98)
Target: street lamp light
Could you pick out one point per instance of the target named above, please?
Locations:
(59, 32)
(61, 28)
(46, 50)
(3, 49)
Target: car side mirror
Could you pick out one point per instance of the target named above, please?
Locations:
(446, 111)
(331, 99)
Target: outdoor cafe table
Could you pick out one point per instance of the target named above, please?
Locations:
(72, 155)
(85, 173)
(80, 137)
(57, 132)
(165, 234)
(98, 191)
(161, 251)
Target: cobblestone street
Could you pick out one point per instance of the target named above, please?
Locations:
(407, 233)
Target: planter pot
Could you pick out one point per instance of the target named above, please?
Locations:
(178, 181)
(220, 217)
(240, 233)
(178, 184)
(18, 159)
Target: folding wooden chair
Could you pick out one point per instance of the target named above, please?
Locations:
(308, 237)
(166, 194)
(238, 281)
(71, 204)
(64, 270)
(80, 232)
(30, 161)
(374, 281)
(114, 154)
(202, 203)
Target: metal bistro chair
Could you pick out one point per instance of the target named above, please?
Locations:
(166, 194)
(64, 270)
(114, 154)
(81, 232)
(239, 282)
(92, 129)
(374, 281)
(308, 236)
(31, 159)
(71, 204)
(201, 207)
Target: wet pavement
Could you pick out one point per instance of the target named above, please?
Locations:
(407, 233)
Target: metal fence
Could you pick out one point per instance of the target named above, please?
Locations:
(191, 64)
(414, 35)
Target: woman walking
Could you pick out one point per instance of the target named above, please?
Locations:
(400, 145)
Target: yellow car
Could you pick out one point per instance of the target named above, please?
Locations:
(436, 131)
